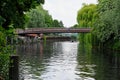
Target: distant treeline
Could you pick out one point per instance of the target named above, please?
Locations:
(39, 17)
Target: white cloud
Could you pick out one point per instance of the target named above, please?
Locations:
(65, 10)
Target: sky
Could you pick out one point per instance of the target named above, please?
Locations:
(65, 10)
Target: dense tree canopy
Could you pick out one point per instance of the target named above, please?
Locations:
(86, 18)
(108, 23)
(37, 17)
(57, 23)
(40, 17)
(87, 15)
(12, 11)
(105, 21)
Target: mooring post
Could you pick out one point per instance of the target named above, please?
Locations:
(14, 67)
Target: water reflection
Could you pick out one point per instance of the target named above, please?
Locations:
(62, 63)
(33, 60)
(94, 64)
(54, 61)
(85, 67)
(67, 61)
(108, 64)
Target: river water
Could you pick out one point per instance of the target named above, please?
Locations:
(67, 60)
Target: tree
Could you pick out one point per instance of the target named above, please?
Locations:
(13, 11)
(36, 18)
(107, 25)
(57, 23)
(86, 18)
(12, 15)
(48, 19)
(87, 15)
(61, 24)
(40, 17)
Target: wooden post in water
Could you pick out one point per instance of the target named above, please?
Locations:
(14, 68)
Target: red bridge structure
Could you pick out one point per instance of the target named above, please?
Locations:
(51, 30)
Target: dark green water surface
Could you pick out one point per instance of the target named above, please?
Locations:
(67, 61)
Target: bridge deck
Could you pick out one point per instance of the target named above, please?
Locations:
(52, 30)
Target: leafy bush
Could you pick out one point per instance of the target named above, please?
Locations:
(5, 51)
(4, 66)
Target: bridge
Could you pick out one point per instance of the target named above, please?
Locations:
(51, 30)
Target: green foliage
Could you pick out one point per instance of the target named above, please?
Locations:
(2, 20)
(5, 51)
(40, 17)
(75, 26)
(7, 35)
(107, 25)
(12, 11)
(3, 42)
(37, 18)
(61, 24)
(12, 15)
(86, 18)
(116, 45)
(87, 15)
(4, 66)
(56, 23)
(4, 56)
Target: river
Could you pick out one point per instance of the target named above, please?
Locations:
(66, 60)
